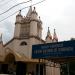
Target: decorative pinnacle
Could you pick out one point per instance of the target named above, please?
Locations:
(48, 30)
(34, 11)
(55, 35)
(34, 8)
(19, 12)
(54, 31)
(49, 34)
(1, 37)
(39, 17)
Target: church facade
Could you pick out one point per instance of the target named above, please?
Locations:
(16, 54)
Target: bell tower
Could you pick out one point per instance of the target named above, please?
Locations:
(29, 25)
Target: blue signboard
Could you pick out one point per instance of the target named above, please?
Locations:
(54, 50)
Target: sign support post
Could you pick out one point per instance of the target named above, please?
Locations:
(68, 71)
(39, 68)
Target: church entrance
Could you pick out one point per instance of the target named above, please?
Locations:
(10, 63)
(7, 66)
(11, 66)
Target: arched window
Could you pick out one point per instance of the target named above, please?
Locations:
(23, 43)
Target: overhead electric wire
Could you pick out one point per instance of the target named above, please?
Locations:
(13, 7)
(21, 9)
(5, 3)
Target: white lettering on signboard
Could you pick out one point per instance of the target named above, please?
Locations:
(51, 46)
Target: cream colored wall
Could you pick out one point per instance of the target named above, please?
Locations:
(33, 28)
(15, 46)
(17, 30)
(19, 18)
(33, 41)
(10, 45)
(57, 69)
(21, 49)
(26, 49)
(7, 48)
(4, 49)
(39, 31)
(1, 49)
(2, 52)
(34, 16)
(52, 68)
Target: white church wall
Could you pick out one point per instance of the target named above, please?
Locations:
(23, 49)
(17, 30)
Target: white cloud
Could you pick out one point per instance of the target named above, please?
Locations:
(59, 14)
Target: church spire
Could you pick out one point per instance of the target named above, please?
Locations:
(55, 38)
(49, 34)
(29, 12)
(34, 11)
(48, 37)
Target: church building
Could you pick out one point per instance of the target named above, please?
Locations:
(16, 54)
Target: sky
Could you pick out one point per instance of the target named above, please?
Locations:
(55, 14)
